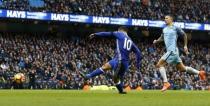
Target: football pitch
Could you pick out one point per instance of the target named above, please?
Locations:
(103, 98)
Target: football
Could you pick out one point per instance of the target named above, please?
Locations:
(19, 78)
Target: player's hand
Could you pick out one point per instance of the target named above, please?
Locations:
(186, 50)
(155, 41)
(91, 36)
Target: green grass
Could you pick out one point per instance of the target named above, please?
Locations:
(102, 98)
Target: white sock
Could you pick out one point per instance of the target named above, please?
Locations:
(163, 74)
(191, 70)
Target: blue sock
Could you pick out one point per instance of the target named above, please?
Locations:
(95, 73)
(119, 87)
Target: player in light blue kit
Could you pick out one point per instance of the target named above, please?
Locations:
(169, 36)
(120, 62)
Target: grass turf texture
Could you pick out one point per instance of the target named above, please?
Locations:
(103, 98)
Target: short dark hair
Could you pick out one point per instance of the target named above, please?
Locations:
(124, 28)
(172, 17)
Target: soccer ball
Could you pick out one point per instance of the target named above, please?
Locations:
(19, 78)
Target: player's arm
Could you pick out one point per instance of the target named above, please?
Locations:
(185, 44)
(136, 50)
(101, 34)
(182, 33)
(160, 39)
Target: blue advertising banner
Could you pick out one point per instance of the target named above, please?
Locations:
(97, 19)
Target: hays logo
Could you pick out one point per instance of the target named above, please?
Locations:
(179, 24)
(60, 17)
(16, 14)
(102, 20)
(138, 22)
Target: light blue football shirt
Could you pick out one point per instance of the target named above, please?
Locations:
(170, 35)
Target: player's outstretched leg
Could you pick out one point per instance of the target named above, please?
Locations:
(201, 73)
(92, 74)
(96, 72)
(83, 75)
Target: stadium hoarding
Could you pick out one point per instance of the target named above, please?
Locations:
(97, 19)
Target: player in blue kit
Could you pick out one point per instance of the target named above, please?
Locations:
(169, 36)
(120, 62)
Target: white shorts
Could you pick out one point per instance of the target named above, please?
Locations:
(171, 57)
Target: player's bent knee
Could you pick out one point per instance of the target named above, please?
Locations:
(158, 65)
(181, 67)
(106, 67)
(161, 63)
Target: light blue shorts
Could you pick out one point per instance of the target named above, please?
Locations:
(171, 57)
